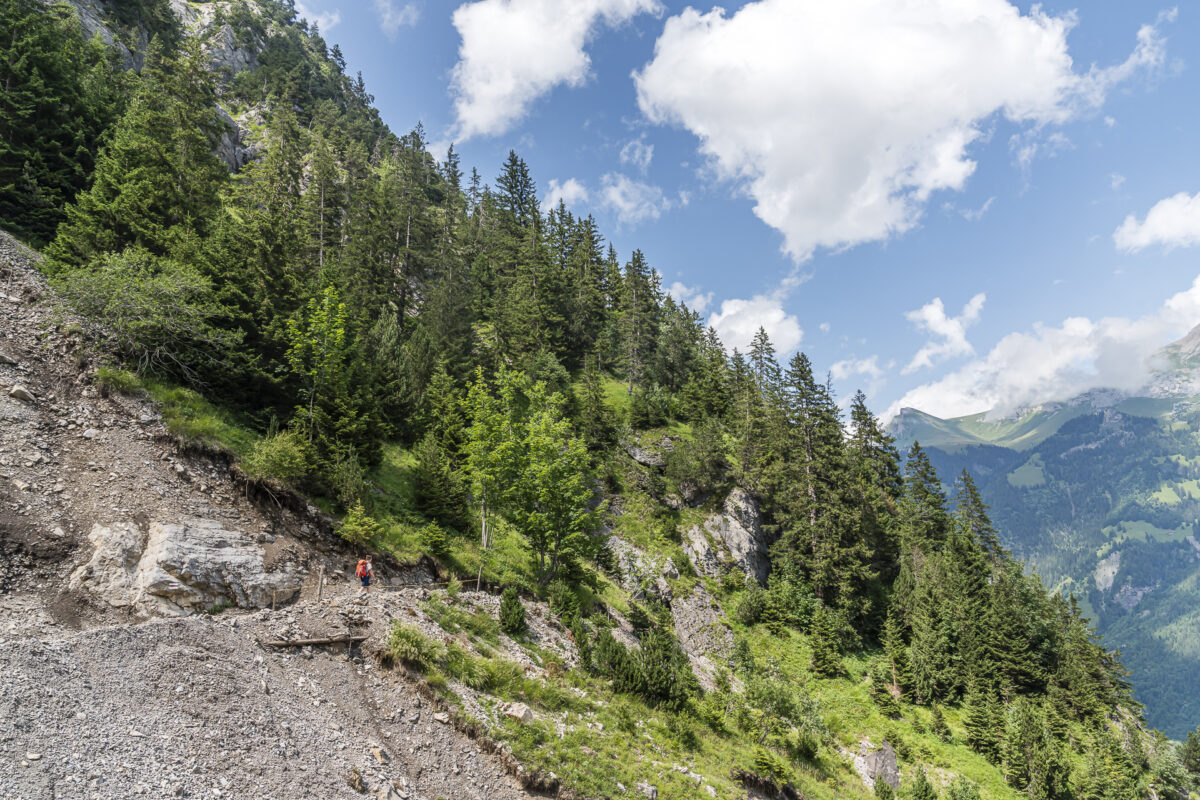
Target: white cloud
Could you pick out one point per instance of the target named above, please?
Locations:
(691, 296)
(1115, 180)
(632, 201)
(970, 214)
(1109, 122)
(1058, 362)
(515, 51)
(840, 119)
(824, 326)
(393, 16)
(569, 191)
(738, 320)
(1172, 222)
(637, 153)
(323, 19)
(862, 366)
(950, 332)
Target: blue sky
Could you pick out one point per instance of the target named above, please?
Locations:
(958, 205)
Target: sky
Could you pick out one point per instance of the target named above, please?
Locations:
(953, 205)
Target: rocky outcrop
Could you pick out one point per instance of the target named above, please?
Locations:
(738, 531)
(183, 567)
(640, 574)
(702, 634)
(874, 765)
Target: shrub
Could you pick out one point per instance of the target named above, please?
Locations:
(411, 647)
(884, 790)
(348, 478)
(434, 541)
(750, 609)
(512, 613)
(282, 457)
(563, 601)
(938, 725)
(359, 528)
(772, 767)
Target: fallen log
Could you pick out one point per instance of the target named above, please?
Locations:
(306, 642)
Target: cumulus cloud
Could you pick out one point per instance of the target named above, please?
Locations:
(637, 153)
(738, 320)
(1172, 222)
(569, 191)
(515, 51)
(691, 296)
(841, 119)
(1058, 362)
(856, 366)
(323, 19)
(393, 16)
(950, 332)
(632, 201)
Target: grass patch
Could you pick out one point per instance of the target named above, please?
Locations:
(1029, 474)
(121, 381)
(197, 421)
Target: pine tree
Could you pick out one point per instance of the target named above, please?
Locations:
(826, 658)
(921, 788)
(155, 184)
(437, 487)
(982, 722)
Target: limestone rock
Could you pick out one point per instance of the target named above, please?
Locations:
(877, 765)
(183, 567)
(21, 393)
(699, 552)
(739, 528)
(645, 456)
(520, 712)
(702, 633)
(647, 790)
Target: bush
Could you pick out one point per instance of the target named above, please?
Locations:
(411, 647)
(772, 767)
(348, 478)
(434, 541)
(564, 602)
(512, 613)
(750, 609)
(359, 528)
(884, 790)
(282, 457)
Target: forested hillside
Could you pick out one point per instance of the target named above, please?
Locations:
(1105, 505)
(458, 375)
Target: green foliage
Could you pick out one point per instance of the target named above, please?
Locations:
(512, 612)
(938, 726)
(159, 314)
(963, 789)
(434, 540)
(826, 659)
(921, 788)
(414, 649)
(884, 790)
(113, 379)
(359, 528)
(438, 488)
(281, 457)
(772, 767)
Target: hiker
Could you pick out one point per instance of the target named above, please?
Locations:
(365, 572)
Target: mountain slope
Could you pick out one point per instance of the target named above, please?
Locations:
(1101, 495)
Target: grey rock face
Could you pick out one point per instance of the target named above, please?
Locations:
(878, 765)
(179, 568)
(739, 530)
(702, 633)
(698, 550)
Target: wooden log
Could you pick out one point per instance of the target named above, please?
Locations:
(348, 639)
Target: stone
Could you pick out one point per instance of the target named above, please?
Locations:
(699, 552)
(19, 392)
(520, 712)
(380, 755)
(442, 717)
(5, 358)
(702, 633)
(644, 456)
(739, 528)
(20, 486)
(182, 567)
(90, 433)
(878, 765)
(33, 756)
(647, 790)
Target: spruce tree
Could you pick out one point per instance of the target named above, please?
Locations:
(826, 658)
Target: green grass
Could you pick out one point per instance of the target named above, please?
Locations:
(1029, 474)
(196, 421)
(118, 380)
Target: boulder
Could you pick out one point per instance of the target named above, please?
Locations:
(647, 790)
(182, 567)
(739, 528)
(641, 574)
(21, 393)
(877, 765)
(520, 712)
(645, 456)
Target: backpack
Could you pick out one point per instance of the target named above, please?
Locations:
(363, 569)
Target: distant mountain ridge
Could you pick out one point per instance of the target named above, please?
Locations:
(1101, 494)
